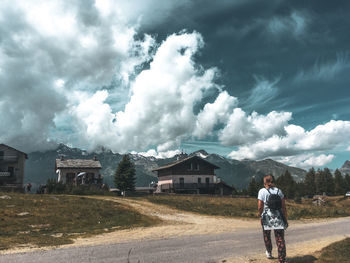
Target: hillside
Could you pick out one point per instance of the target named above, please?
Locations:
(40, 166)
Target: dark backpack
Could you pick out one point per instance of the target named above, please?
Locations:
(274, 201)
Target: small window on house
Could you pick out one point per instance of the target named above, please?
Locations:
(196, 166)
(182, 181)
(10, 169)
(199, 180)
(207, 180)
(190, 166)
(1, 155)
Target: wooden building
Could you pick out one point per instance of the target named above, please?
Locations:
(12, 163)
(79, 171)
(188, 175)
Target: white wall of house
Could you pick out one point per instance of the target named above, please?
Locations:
(188, 179)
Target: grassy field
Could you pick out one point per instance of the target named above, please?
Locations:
(247, 207)
(338, 252)
(46, 220)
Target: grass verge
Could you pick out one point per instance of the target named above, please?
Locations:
(338, 252)
(247, 207)
(49, 220)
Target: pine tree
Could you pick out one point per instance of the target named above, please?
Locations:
(347, 182)
(124, 177)
(309, 182)
(287, 184)
(253, 187)
(339, 183)
(329, 182)
(320, 180)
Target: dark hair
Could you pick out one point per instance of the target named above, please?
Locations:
(268, 181)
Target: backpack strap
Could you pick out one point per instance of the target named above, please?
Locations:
(268, 190)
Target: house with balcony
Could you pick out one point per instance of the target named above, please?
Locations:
(187, 175)
(79, 171)
(12, 163)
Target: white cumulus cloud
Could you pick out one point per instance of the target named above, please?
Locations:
(306, 161)
(160, 110)
(213, 114)
(297, 141)
(243, 129)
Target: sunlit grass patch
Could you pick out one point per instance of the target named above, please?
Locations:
(46, 220)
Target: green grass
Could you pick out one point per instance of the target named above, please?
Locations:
(338, 252)
(50, 220)
(247, 207)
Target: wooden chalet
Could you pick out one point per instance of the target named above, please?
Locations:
(187, 175)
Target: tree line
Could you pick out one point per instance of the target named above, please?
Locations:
(316, 182)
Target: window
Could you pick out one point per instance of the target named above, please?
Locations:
(199, 180)
(182, 181)
(10, 170)
(207, 180)
(1, 155)
(190, 166)
(196, 166)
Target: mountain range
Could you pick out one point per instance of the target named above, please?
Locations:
(40, 166)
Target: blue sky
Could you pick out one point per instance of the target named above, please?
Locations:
(245, 79)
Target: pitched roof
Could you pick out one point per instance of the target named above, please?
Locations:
(78, 163)
(184, 160)
(25, 155)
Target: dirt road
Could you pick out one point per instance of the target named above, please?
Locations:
(185, 237)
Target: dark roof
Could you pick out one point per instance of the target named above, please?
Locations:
(78, 163)
(184, 160)
(26, 155)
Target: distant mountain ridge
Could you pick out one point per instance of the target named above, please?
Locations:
(40, 166)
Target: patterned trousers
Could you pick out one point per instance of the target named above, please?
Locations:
(281, 245)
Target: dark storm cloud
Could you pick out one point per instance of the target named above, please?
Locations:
(274, 39)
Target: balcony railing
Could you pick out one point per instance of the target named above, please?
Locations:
(5, 174)
(9, 158)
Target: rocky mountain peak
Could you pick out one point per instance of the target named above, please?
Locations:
(346, 165)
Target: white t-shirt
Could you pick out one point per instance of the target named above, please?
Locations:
(271, 219)
(264, 194)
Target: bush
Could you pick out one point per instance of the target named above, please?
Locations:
(54, 187)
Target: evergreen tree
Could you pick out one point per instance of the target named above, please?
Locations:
(329, 182)
(309, 182)
(339, 183)
(124, 177)
(253, 187)
(287, 184)
(320, 180)
(347, 182)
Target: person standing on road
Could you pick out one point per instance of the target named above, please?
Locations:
(273, 214)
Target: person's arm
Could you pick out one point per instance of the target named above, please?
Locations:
(260, 207)
(284, 210)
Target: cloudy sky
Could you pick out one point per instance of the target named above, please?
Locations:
(242, 78)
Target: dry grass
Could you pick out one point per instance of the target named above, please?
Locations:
(338, 252)
(247, 207)
(48, 220)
